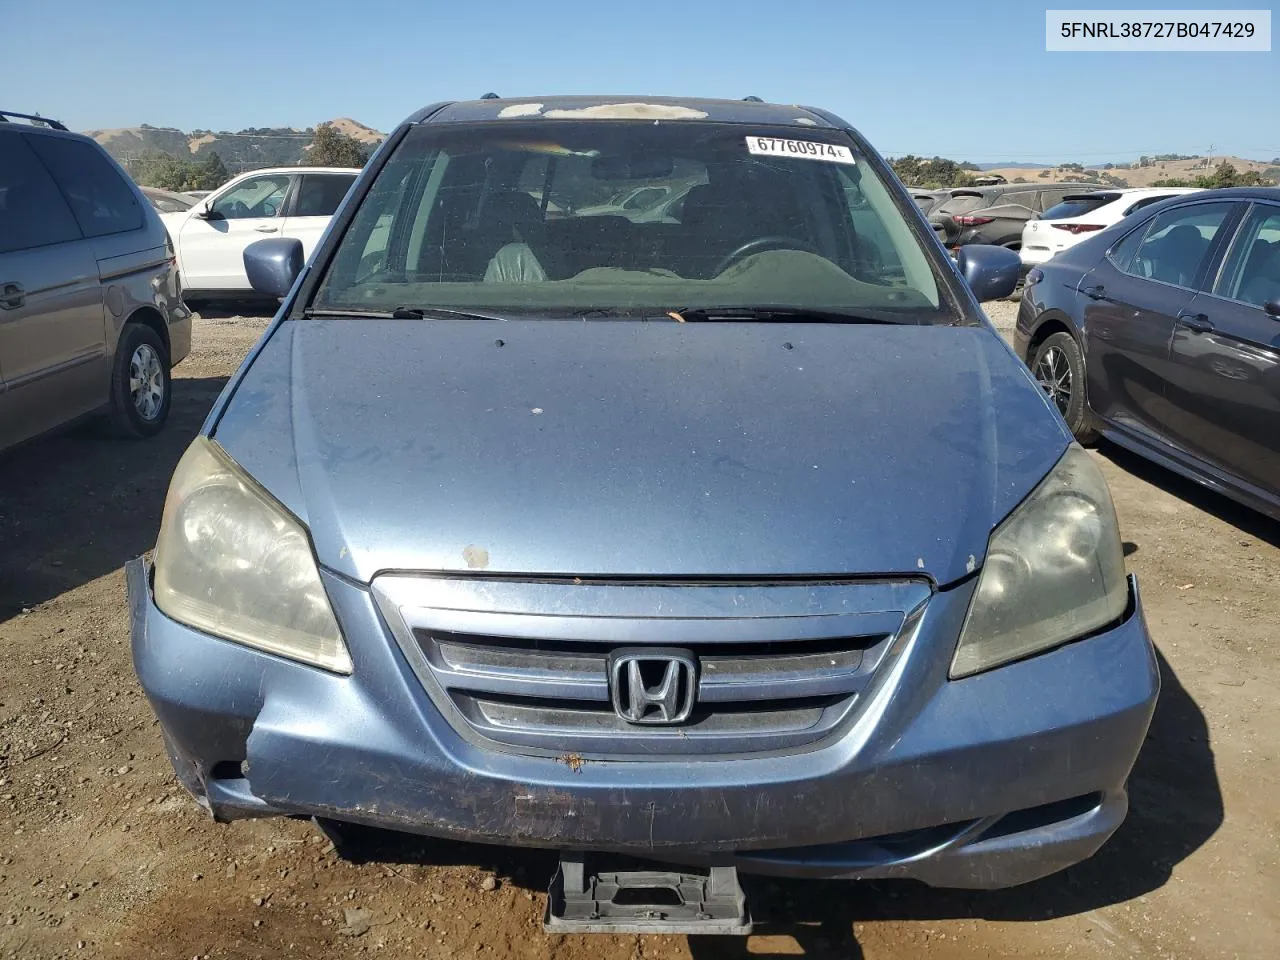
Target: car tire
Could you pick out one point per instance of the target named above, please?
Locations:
(141, 387)
(1058, 366)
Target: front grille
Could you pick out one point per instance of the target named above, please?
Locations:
(780, 667)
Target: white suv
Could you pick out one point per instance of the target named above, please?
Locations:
(1067, 223)
(210, 238)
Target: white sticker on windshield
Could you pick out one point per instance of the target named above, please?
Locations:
(805, 149)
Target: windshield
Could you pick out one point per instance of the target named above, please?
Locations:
(629, 218)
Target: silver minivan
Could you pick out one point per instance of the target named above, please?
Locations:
(91, 311)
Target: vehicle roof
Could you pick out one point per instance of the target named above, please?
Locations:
(9, 126)
(601, 107)
(297, 168)
(31, 121)
(1129, 190)
(1240, 193)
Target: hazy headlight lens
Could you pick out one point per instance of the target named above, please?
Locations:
(1054, 571)
(232, 562)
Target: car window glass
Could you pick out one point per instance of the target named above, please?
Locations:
(531, 217)
(1178, 243)
(255, 197)
(1022, 198)
(1147, 201)
(1078, 206)
(1252, 274)
(1121, 255)
(100, 199)
(32, 210)
(168, 203)
(320, 193)
(962, 204)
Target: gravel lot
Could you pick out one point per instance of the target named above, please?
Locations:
(103, 855)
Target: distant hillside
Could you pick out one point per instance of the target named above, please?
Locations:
(1011, 165)
(239, 150)
(1131, 174)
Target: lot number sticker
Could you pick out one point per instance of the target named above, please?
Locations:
(804, 149)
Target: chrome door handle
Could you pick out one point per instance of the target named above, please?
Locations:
(266, 229)
(1198, 322)
(12, 296)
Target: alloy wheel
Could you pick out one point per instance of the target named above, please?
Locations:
(1053, 373)
(146, 382)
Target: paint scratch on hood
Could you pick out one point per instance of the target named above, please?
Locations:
(521, 110)
(628, 111)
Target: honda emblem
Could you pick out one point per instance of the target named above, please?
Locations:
(653, 686)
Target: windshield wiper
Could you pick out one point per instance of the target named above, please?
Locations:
(783, 314)
(404, 313)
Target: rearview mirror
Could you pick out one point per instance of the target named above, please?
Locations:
(991, 272)
(273, 265)
(1272, 307)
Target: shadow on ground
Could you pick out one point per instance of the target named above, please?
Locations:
(1216, 504)
(78, 505)
(230, 309)
(1175, 806)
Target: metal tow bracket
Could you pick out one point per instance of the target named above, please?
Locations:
(645, 901)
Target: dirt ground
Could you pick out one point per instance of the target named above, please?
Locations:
(102, 854)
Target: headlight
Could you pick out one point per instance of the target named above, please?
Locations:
(1054, 571)
(233, 562)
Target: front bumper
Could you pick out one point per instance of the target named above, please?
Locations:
(989, 781)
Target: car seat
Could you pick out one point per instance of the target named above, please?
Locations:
(1178, 256)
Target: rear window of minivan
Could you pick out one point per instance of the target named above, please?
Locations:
(99, 198)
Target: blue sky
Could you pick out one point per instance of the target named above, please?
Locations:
(970, 81)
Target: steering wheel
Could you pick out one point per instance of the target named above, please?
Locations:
(760, 245)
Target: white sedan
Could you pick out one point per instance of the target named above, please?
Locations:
(1067, 223)
(281, 202)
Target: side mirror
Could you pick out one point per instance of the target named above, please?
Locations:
(1272, 308)
(991, 272)
(273, 265)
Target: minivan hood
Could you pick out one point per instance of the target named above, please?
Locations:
(642, 449)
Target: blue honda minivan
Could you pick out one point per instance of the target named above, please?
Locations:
(728, 535)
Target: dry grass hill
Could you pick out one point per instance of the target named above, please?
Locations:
(239, 150)
(1135, 176)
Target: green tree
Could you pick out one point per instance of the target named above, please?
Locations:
(332, 148)
(172, 173)
(1226, 175)
(934, 172)
(164, 171)
(213, 173)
